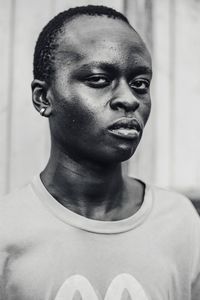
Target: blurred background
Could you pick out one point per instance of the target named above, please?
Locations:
(169, 154)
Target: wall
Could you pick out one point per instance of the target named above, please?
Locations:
(169, 152)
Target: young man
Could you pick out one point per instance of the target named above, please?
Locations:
(81, 230)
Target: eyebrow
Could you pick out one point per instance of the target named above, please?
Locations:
(109, 67)
(143, 69)
(101, 65)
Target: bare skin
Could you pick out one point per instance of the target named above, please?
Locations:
(84, 170)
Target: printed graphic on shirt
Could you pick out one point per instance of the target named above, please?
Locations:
(122, 287)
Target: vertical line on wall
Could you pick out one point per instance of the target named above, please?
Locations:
(172, 69)
(125, 7)
(149, 23)
(10, 96)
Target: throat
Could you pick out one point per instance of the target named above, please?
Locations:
(97, 197)
(99, 194)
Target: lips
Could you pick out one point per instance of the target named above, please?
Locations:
(128, 128)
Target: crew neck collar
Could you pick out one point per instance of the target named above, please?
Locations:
(105, 227)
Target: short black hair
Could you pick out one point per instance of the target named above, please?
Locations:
(47, 43)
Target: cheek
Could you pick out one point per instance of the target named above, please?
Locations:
(76, 116)
(145, 110)
(77, 110)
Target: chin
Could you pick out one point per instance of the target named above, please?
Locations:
(118, 155)
(125, 153)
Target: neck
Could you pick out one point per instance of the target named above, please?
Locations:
(91, 190)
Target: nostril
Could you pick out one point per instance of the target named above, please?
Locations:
(137, 104)
(117, 106)
(120, 104)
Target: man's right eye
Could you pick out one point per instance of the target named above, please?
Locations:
(97, 81)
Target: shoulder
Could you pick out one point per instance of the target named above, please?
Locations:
(13, 212)
(15, 201)
(176, 208)
(182, 223)
(10, 207)
(170, 199)
(167, 203)
(16, 211)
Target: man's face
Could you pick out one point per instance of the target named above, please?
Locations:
(100, 91)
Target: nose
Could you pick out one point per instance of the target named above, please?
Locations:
(124, 99)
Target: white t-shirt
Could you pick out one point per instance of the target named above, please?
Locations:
(48, 252)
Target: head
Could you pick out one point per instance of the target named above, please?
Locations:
(92, 74)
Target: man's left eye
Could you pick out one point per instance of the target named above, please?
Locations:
(140, 85)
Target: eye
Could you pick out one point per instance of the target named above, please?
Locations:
(141, 86)
(97, 81)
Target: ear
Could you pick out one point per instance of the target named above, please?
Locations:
(39, 97)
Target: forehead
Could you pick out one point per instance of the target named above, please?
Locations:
(100, 38)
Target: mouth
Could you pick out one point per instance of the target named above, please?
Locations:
(127, 128)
